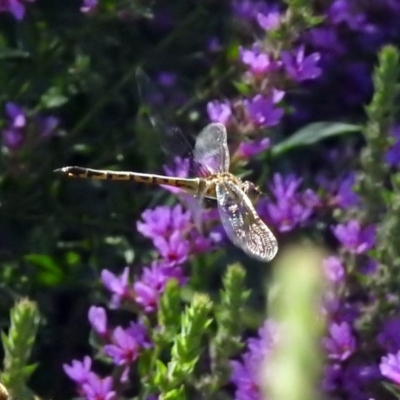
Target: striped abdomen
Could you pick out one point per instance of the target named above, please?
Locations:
(190, 185)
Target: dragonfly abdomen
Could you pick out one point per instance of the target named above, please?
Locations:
(191, 185)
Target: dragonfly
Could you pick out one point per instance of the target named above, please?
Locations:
(234, 196)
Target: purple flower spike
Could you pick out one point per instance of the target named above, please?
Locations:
(353, 238)
(219, 111)
(98, 320)
(299, 67)
(98, 389)
(341, 343)
(79, 371)
(263, 112)
(390, 367)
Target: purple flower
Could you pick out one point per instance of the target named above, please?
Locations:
(47, 125)
(117, 285)
(89, 6)
(346, 197)
(258, 62)
(353, 238)
(79, 371)
(16, 115)
(152, 283)
(163, 221)
(331, 377)
(98, 320)
(340, 192)
(290, 207)
(389, 338)
(166, 79)
(175, 250)
(201, 244)
(334, 269)
(15, 7)
(262, 110)
(358, 379)
(248, 9)
(341, 343)
(326, 38)
(269, 21)
(98, 389)
(369, 267)
(392, 156)
(16, 132)
(180, 169)
(125, 347)
(341, 11)
(250, 149)
(299, 67)
(390, 367)
(245, 373)
(214, 44)
(219, 111)
(139, 331)
(12, 138)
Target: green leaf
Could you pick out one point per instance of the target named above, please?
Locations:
(13, 54)
(175, 394)
(313, 133)
(53, 98)
(242, 88)
(49, 272)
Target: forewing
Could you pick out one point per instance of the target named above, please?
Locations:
(211, 149)
(171, 138)
(242, 223)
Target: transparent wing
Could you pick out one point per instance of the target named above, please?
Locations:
(242, 224)
(171, 138)
(211, 149)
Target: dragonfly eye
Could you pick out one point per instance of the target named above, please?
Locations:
(252, 191)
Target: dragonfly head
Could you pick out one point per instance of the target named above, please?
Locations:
(252, 191)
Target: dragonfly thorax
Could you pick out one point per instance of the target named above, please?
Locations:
(207, 187)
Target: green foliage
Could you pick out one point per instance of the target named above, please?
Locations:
(381, 113)
(226, 343)
(312, 134)
(18, 343)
